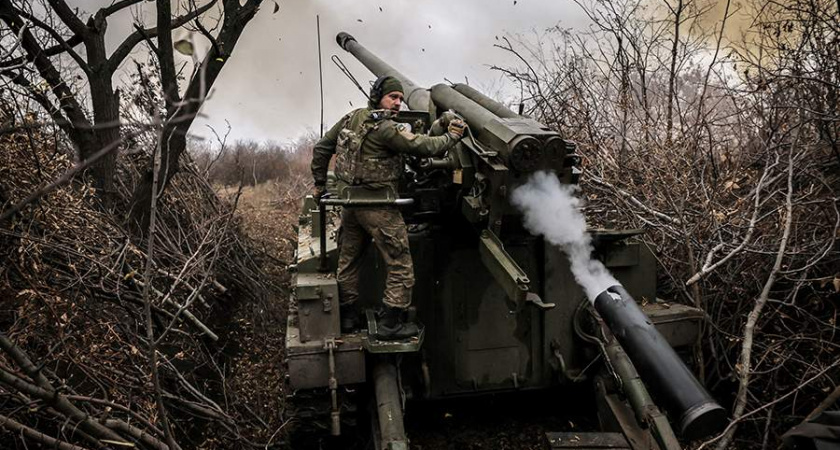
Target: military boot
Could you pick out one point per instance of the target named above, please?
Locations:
(393, 326)
(350, 320)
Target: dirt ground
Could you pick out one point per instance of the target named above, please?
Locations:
(268, 219)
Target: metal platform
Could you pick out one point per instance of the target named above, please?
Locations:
(373, 345)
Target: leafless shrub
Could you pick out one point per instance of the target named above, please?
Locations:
(727, 154)
(74, 365)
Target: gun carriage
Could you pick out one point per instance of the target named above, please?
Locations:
(500, 308)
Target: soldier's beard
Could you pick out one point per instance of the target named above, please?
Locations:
(393, 107)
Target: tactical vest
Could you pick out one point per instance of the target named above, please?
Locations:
(351, 168)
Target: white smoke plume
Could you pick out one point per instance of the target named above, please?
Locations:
(551, 209)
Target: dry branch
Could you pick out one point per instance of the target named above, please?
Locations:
(36, 435)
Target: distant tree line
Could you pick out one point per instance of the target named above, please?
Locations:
(251, 163)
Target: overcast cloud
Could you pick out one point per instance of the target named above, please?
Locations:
(269, 89)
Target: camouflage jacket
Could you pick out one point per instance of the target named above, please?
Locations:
(369, 146)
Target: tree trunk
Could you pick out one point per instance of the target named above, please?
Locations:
(174, 142)
(106, 114)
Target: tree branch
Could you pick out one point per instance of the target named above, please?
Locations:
(708, 267)
(46, 69)
(148, 39)
(745, 363)
(63, 45)
(204, 31)
(49, 51)
(147, 303)
(46, 392)
(136, 433)
(49, 107)
(114, 7)
(36, 435)
(60, 181)
(124, 49)
(168, 76)
(117, 406)
(69, 17)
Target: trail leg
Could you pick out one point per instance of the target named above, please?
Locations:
(388, 405)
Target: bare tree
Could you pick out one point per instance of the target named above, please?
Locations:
(45, 38)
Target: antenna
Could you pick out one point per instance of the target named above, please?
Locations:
(320, 71)
(343, 68)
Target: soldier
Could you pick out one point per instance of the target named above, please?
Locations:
(369, 147)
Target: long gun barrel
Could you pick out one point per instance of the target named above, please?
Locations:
(661, 369)
(485, 101)
(416, 96)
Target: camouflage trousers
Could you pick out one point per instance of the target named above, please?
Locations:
(387, 228)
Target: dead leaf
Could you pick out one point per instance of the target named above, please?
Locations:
(184, 47)
(276, 8)
(836, 284)
(729, 185)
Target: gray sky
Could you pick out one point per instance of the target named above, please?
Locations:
(269, 88)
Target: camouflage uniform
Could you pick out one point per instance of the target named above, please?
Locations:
(369, 148)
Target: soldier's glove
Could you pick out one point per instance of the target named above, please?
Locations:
(456, 129)
(318, 193)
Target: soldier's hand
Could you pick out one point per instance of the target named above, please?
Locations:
(457, 127)
(319, 192)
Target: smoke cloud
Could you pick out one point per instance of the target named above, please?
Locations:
(551, 209)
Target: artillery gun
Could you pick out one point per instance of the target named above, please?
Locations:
(500, 308)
